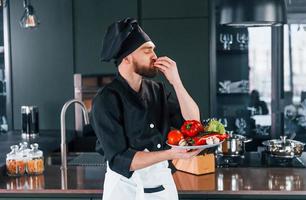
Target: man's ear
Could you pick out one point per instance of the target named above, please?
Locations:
(127, 59)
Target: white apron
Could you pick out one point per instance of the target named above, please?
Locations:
(117, 187)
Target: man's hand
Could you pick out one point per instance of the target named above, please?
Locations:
(144, 159)
(176, 153)
(169, 69)
(189, 108)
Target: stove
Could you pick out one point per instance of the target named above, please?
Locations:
(259, 159)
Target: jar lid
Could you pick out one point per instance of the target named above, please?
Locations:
(14, 153)
(35, 152)
(23, 149)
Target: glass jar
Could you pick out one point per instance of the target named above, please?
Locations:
(35, 164)
(24, 149)
(24, 152)
(15, 164)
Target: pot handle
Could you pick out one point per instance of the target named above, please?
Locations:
(247, 140)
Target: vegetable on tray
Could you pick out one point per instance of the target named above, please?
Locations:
(194, 133)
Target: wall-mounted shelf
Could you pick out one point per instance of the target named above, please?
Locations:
(232, 51)
(233, 93)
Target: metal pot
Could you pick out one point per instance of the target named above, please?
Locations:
(234, 145)
(284, 148)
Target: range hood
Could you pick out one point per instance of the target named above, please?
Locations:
(248, 13)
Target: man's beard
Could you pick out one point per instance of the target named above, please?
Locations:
(148, 72)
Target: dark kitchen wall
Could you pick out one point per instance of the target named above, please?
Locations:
(180, 30)
(69, 39)
(90, 22)
(42, 60)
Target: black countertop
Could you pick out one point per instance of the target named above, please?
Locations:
(261, 159)
(87, 181)
(251, 178)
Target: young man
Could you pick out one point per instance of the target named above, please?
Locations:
(132, 116)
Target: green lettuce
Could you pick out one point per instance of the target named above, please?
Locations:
(215, 126)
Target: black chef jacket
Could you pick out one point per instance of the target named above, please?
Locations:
(126, 121)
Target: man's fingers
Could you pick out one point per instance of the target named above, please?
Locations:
(165, 58)
(160, 67)
(162, 62)
(199, 151)
(177, 150)
(195, 152)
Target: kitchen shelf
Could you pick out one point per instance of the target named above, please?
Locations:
(233, 93)
(232, 51)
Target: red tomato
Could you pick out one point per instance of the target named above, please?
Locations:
(174, 137)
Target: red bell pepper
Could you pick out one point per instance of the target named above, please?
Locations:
(191, 128)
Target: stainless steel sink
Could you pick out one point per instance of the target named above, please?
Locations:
(81, 161)
(77, 159)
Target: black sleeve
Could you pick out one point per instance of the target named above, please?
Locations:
(175, 114)
(108, 126)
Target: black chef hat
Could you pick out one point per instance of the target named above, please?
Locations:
(122, 38)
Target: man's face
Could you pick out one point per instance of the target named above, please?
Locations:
(143, 60)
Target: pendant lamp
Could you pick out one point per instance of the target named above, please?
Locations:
(248, 13)
(29, 19)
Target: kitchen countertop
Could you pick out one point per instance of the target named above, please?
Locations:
(88, 182)
(48, 140)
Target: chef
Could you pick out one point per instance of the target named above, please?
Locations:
(132, 116)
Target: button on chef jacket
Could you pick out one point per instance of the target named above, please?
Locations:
(126, 121)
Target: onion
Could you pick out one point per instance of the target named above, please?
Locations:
(210, 141)
(182, 142)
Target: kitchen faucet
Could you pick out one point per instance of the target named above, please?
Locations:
(63, 136)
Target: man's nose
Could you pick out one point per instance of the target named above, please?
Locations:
(154, 56)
